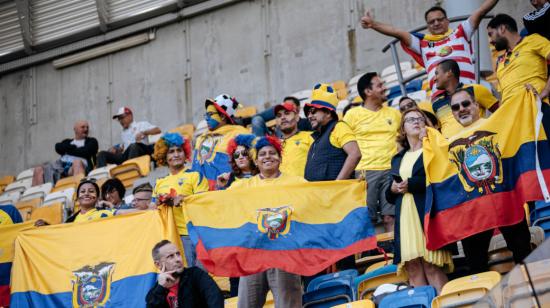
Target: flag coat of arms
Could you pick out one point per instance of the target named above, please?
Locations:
(102, 263)
(300, 228)
(479, 179)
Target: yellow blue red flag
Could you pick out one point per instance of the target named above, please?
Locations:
(300, 228)
(479, 179)
(8, 234)
(102, 263)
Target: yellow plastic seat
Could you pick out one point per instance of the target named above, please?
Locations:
(364, 303)
(233, 301)
(222, 282)
(185, 130)
(5, 181)
(68, 182)
(52, 214)
(378, 265)
(246, 112)
(466, 291)
(27, 207)
(341, 89)
(366, 288)
(131, 170)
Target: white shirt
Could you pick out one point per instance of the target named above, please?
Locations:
(129, 135)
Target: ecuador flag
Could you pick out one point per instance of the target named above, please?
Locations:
(300, 228)
(210, 156)
(9, 233)
(480, 179)
(102, 263)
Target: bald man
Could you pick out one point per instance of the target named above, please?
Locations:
(77, 157)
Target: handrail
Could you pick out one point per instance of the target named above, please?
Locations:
(395, 57)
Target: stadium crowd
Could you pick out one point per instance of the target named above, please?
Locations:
(371, 141)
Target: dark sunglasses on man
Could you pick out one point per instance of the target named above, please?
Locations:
(465, 104)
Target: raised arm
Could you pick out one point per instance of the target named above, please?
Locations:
(478, 14)
(368, 22)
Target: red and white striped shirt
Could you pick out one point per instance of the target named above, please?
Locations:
(457, 46)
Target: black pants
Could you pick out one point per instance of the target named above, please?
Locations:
(133, 151)
(518, 240)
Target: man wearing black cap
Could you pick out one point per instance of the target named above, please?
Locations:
(135, 140)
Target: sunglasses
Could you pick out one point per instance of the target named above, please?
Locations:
(238, 154)
(465, 104)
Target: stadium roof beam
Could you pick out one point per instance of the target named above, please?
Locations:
(103, 15)
(24, 16)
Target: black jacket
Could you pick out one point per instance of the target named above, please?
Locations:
(416, 186)
(196, 289)
(88, 151)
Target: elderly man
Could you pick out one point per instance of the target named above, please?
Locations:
(178, 286)
(441, 43)
(135, 139)
(465, 109)
(77, 157)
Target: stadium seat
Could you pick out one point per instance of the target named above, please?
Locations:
(390, 70)
(501, 258)
(233, 301)
(132, 169)
(185, 130)
(330, 289)
(518, 291)
(246, 112)
(341, 89)
(100, 173)
(540, 216)
(364, 303)
(10, 197)
(368, 282)
(5, 180)
(19, 186)
(53, 213)
(378, 265)
(68, 182)
(39, 191)
(26, 207)
(65, 197)
(466, 290)
(420, 297)
(26, 174)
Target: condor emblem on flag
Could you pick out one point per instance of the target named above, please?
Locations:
(92, 285)
(274, 221)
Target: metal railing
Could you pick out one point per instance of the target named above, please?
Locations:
(395, 57)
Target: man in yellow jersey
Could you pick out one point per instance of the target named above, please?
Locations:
(210, 158)
(375, 126)
(525, 60)
(173, 150)
(296, 143)
(447, 75)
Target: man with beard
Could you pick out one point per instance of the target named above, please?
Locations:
(296, 143)
(178, 286)
(465, 110)
(375, 127)
(524, 62)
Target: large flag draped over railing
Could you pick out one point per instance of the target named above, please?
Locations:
(102, 263)
(8, 233)
(480, 179)
(300, 228)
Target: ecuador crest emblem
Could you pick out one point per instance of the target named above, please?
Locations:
(478, 161)
(92, 285)
(274, 221)
(207, 147)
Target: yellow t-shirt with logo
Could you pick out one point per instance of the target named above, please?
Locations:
(93, 214)
(341, 134)
(257, 181)
(443, 112)
(185, 183)
(376, 133)
(525, 64)
(295, 151)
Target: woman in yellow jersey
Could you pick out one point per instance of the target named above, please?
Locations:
(242, 164)
(408, 193)
(173, 150)
(286, 287)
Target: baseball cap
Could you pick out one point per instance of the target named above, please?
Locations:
(122, 111)
(289, 106)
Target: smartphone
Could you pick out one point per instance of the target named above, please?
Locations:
(397, 178)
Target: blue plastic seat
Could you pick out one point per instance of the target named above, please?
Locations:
(540, 216)
(330, 289)
(338, 278)
(419, 297)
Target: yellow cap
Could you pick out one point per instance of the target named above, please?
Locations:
(323, 96)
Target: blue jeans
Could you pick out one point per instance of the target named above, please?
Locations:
(259, 127)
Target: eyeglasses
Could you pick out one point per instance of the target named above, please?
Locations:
(412, 120)
(439, 20)
(238, 154)
(465, 104)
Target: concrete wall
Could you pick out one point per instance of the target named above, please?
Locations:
(258, 51)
